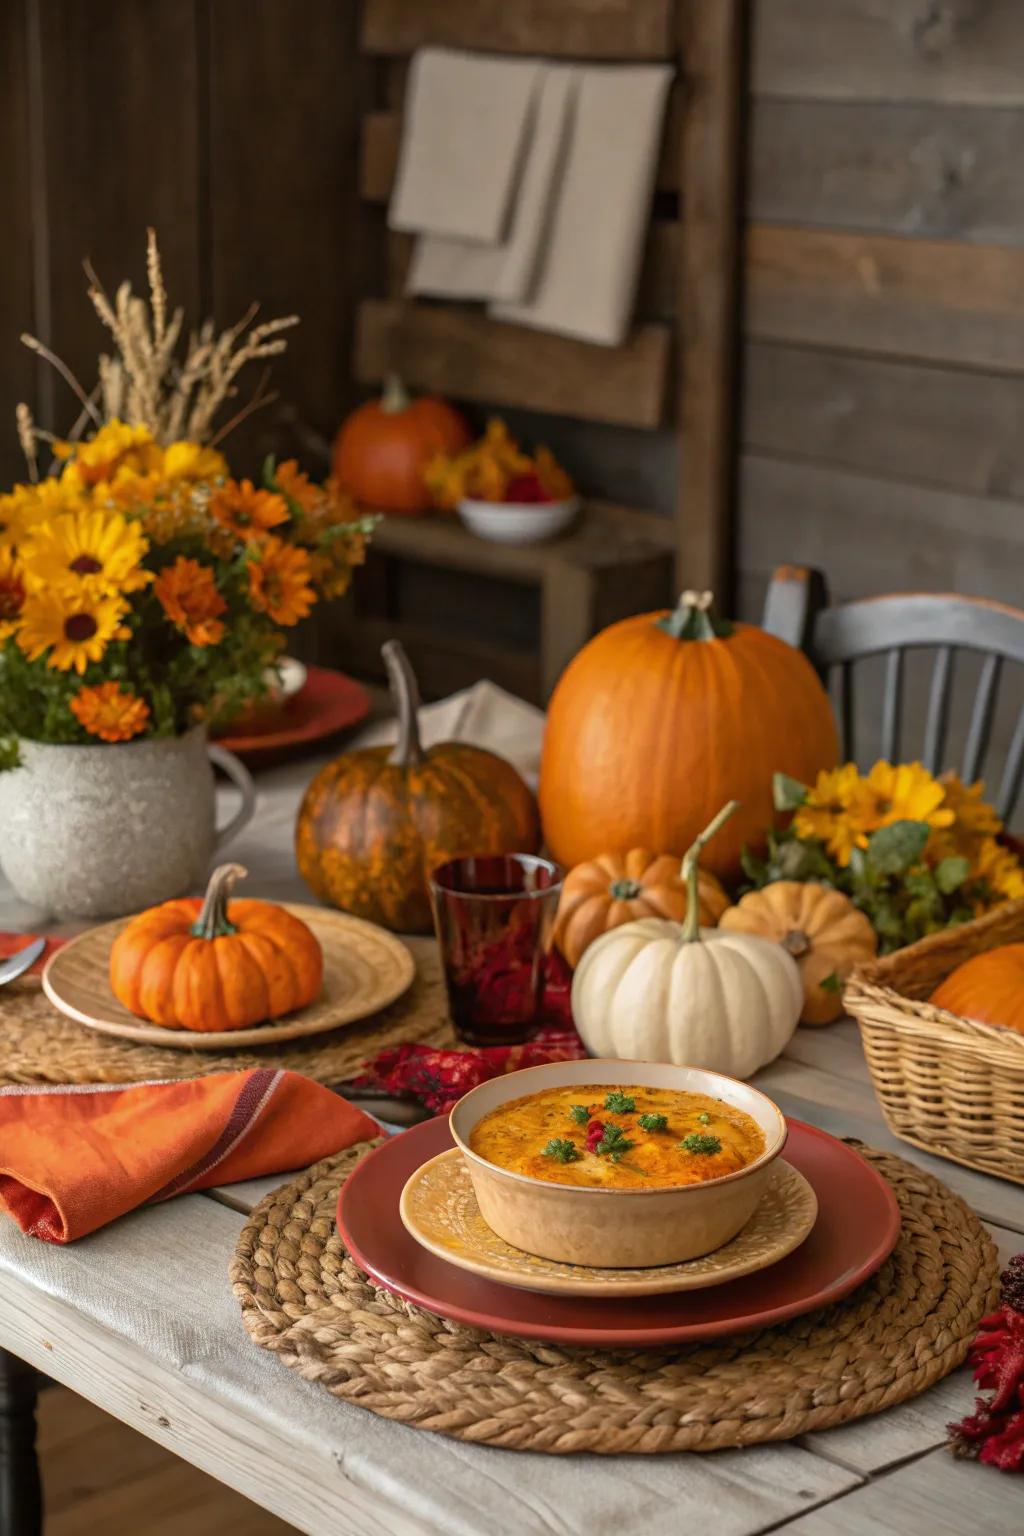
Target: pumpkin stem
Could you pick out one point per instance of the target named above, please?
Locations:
(624, 890)
(405, 695)
(394, 397)
(691, 871)
(212, 922)
(796, 943)
(694, 618)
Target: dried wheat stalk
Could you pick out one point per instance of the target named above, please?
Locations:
(144, 383)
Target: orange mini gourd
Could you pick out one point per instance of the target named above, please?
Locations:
(661, 718)
(988, 988)
(617, 888)
(383, 448)
(205, 965)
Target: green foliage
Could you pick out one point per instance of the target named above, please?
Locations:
(614, 1143)
(563, 1150)
(702, 1145)
(619, 1103)
(580, 1113)
(652, 1122)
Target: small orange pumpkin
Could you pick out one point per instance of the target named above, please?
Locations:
(374, 823)
(383, 448)
(821, 928)
(988, 988)
(203, 965)
(617, 888)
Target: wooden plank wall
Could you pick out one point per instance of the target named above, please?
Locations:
(883, 357)
(233, 129)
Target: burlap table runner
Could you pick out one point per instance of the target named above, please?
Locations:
(912, 1323)
(38, 1044)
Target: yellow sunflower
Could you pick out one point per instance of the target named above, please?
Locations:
(906, 792)
(192, 461)
(74, 624)
(834, 812)
(12, 592)
(115, 449)
(1000, 868)
(109, 712)
(102, 549)
(11, 520)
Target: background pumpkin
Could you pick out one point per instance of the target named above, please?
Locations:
(204, 965)
(821, 928)
(662, 717)
(374, 823)
(382, 449)
(988, 987)
(617, 888)
(655, 990)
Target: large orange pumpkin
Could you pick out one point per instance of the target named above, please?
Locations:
(205, 965)
(661, 718)
(616, 888)
(989, 988)
(374, 823)
(382, 449)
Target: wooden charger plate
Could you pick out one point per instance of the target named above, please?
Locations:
(365, 969)
(856, 1230)
(439, 1208)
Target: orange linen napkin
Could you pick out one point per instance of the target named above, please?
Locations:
(74, 1158)
(14, 943)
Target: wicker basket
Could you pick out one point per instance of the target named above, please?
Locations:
(945, 1084)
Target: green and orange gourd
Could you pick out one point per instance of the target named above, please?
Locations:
(375, 822)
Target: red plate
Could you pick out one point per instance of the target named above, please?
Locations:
(327, 703)
(857, 1227)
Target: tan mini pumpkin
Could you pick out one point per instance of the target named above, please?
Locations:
(821, 928)
(617, 888)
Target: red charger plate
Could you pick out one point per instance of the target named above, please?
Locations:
(326, 704)
(857, 1227)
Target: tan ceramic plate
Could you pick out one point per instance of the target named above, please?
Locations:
(439, 1209)
(365, 969)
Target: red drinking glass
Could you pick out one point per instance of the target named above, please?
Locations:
(495, 918)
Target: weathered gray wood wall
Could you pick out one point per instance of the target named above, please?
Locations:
(883, 377)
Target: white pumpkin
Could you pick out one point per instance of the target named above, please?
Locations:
(655, 990)
(725, 1001)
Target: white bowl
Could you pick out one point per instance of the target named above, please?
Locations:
(518, 522)
(617, 1228)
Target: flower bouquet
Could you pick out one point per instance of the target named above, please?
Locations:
(914, 852)
(144, 591)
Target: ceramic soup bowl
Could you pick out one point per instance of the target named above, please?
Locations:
(617, 1228)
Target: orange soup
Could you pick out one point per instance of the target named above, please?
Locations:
(618, 1138)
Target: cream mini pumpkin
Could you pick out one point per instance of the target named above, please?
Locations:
(821, 928)
(656, 990)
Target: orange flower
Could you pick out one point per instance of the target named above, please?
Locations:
(248, 513)
(279, 578)
(110, 713)
(296, 486)
(12, 592)
(189, 597)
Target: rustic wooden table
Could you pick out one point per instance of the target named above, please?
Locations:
(140, 1319)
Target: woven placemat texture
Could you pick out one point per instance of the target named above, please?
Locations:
(912, 1323)
(38, 1044)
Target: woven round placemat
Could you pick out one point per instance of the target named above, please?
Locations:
(912, 1323)
(38, 1044)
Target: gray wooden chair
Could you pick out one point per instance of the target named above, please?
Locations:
(797, 610)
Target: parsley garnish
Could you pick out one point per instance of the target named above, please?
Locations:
(620, 1103)
(704, 1119)
(580, 1113)
(614, 1143)
(653, 1122)
(695, 1142)
(564, 1150)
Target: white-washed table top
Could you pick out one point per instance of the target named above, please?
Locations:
(140, 1318)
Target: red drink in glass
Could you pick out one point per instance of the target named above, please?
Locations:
(495, 916)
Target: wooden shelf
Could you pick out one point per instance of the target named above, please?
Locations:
(616, 561)
(583, 29)
(464, 354)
